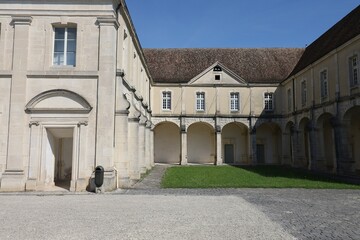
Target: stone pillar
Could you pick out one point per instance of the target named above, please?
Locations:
(344, 165)
(106, 93)
(13, 179)
(152, 161)
(253, 147)
(133, 142)
(313, 141)
(121, 148)
(147, 145)
(219, 158)
(141, 145)
(34, 156)
(183, 145)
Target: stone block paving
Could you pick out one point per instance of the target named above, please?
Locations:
(304, 213)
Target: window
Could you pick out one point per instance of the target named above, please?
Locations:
(269, 101)
(200, 101)
(65, 46)
(303, 93)
(354, 71)
(289, 99)
(234, 102)
(217, 77)
(166, 100)
(324, 83)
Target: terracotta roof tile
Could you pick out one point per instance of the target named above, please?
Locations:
(343, 31)
(255, 65)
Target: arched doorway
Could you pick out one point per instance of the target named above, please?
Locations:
(235, 143)
(352, 122)
(268, 144)
(201, 143)
(327, 157)
(167, 143)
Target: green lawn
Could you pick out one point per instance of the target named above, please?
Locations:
(247, 177)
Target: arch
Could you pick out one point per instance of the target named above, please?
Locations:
(326, 142)
(304, 155)
(235, 143)
(268, 143)
(352, 123)
(58, 101)
(167, 143)
(201, 143)
(288, 143)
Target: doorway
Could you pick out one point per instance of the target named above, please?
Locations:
(229, 153)
(260, 153)
(59, 157)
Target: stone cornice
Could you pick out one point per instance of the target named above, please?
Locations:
(21, 20)
(108, 21)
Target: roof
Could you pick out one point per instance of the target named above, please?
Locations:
(254, 65)
(343, 31)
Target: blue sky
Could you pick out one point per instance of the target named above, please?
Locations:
(234, 23)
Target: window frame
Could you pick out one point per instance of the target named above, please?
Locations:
(289, 99)
(200, 101)
(267, 100)
(303, 86)
(166, 100)
(234, 102)
(353, 69)
(65, 48)
(324, 84)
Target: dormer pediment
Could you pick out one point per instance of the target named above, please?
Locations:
(218, 74)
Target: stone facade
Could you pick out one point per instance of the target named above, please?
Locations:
(78, 91)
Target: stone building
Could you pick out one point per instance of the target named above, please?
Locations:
(79, 91)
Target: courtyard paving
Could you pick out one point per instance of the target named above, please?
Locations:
(148, 212)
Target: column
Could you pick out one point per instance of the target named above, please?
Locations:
(183, 145)
(13, 179)
(152, 161)
(253, 147)
(34, 156)
(147, 145)
(313, 142)
(133, 135)
(106, 94)
(219, 159)
(141, 145)
(121, 148)
(344, 165)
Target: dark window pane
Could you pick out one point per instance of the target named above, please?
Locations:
(59, 46)
(59, 33)
(71, 33)
(58, 58)
(71, 45)
(71, 58)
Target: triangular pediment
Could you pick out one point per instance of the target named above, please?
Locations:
(217, 74)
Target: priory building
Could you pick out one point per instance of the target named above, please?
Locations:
(79, 91)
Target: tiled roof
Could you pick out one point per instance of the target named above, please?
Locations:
(340, 33)
(255, 65)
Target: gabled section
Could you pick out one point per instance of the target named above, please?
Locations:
(218, 74)
(58, 101)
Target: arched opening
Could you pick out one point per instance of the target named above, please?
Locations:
(167, 143)
(352, 122)
(201, 143)
(288, 144)
(235, 143)
(304, 154)
(326, 143)
(268, 144)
